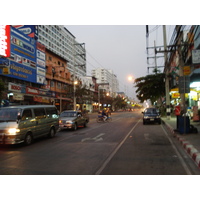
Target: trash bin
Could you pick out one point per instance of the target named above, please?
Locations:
(183, 124)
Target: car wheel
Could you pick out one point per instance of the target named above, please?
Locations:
(52, 132)
(28, 139)
(75, 127)
(144, 122)
(85, 124)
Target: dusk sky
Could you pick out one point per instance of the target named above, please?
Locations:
(121, 48)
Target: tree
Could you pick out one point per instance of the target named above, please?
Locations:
(150, 87)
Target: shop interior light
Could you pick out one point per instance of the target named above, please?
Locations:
(194, 84)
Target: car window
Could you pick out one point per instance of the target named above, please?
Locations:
(39, 113)
(27, 114)
(52, 112)
(8, 114)
(68, 114)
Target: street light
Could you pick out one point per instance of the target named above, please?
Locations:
(75, 83)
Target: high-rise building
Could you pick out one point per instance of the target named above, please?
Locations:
(107, 80)
(59, 40)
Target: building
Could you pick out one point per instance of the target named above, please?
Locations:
(183, 67)
(107, 80)
(59, 40)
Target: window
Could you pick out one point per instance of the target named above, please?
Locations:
(52, 112)
(50, 58)
(39, 113)
(27, 114)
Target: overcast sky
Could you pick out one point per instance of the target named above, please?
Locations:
(121, 48)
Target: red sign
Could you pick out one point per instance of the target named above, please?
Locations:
(31, 90)
(5, 40)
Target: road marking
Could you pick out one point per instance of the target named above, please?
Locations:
(95, 139)
(178, 154)
(114, 152)
(146, 136)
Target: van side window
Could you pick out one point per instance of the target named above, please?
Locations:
(52, 112)
(27, 114)
(39, 113)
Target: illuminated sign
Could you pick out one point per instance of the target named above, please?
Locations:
(5, 40)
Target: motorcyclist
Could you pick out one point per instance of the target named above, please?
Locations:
(104, 115)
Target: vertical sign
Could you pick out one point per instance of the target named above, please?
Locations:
(5, 40)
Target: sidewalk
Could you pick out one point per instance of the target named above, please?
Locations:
(189, 141)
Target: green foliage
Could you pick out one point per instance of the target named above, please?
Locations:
(119, 103)
(150, 87)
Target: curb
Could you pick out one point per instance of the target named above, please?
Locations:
(189, 148)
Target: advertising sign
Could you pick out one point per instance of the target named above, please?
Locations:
(30, 30)
(5, 40)
(41, 64)
(22, 61)
(196, 56)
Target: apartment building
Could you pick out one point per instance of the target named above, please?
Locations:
(59, 40)
(107, 80)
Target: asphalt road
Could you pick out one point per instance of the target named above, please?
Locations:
(123, 146)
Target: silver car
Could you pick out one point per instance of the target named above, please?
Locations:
(71, 119)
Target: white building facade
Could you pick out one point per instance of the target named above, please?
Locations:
(59, 40)
(107, 80)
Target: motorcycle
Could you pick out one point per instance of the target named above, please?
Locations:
(101, 119)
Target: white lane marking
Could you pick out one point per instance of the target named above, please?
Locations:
(114, 152)
(178, 154)
(146, 136)
(96, 139)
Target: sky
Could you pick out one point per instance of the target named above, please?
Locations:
(121, 48)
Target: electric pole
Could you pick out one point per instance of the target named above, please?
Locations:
(168, 110)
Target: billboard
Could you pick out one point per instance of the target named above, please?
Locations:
(22, 61)
(30, 30)
(5, 40)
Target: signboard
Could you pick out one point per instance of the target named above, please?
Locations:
(196, 56)
(22, 61)
(184, 84)
(41, 64)
(30, 30)
(5, 40)
(186, 70)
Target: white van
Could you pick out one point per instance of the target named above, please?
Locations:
(25, 123)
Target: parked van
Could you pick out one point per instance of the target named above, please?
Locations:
(25, 123)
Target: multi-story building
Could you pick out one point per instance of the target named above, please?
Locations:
(107, 80)
(59, 40)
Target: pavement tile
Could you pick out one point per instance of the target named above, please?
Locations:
(189, 141)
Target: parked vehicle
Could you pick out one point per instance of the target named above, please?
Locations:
(70, 119)
(26, 122)
(151, 115)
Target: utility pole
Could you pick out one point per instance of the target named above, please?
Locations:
(168, 110)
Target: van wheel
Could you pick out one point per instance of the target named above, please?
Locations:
(28, 139)
(52, 133)
(75, 127)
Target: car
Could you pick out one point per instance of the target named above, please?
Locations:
(71, 119)
(24, 123)
(151, 115)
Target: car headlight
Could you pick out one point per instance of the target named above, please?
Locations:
(13, 131)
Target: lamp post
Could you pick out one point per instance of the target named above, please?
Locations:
(75, 83)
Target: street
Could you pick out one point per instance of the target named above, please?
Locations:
(122, 147)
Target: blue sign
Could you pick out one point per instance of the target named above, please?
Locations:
(23, 45)
(22, 72)
(22, 63)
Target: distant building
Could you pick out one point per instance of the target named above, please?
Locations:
(107, 80)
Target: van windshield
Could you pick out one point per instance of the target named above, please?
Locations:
(8, 114)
